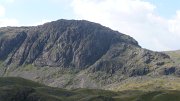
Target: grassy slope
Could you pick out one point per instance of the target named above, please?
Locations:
(4, 81)
(175, 55)
(148, 84)
(18, 89)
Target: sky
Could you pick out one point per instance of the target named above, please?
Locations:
(155, 24)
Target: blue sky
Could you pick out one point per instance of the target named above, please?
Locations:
(153, 23)
(166, 8)
(29, 12)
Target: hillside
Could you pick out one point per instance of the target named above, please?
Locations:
(175, 55)
(18, 89)
(78, 54)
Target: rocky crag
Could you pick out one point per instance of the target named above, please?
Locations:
(78, 54)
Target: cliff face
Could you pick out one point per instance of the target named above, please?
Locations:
(75, 44)
(90, 50)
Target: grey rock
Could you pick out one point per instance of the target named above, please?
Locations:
(77, 53)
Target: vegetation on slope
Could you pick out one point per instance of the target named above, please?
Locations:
(175, 55)
(148, 84)
(18, 89)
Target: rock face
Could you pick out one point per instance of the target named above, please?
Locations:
(91, 51)
(75, 44)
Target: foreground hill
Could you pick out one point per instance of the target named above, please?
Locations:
(18, 89)
(78, 54)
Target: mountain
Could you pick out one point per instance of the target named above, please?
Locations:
(78, 54)
(19, 89)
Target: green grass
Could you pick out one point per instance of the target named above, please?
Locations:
(175, 55)
(4, 81)
(19, 89)
(160, 96)
(148, 84)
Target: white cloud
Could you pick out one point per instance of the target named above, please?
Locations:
(60, 1)
(10, 1)
(8, 22)
(2, 10)
(136, 18)
(41, 22)
(4, 2)
(174, 24)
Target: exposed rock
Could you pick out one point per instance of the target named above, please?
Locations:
(88, 50)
